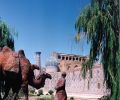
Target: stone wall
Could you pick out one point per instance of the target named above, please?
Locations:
(76, 85)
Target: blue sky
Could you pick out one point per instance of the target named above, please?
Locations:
(44, 25)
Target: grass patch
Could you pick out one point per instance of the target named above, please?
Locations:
(45, 97)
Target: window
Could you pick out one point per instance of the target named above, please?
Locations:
(83, 59)
(97, 71)
(63, 58)
(76, 66)
(69, 58)
(79, 59)
(73, 58)
(66, 58)
(59, 57)
(98, 85)
(76, 58)
(68, 68)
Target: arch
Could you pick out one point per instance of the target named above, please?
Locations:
(59, 57)
(76, 58)
(70, 58)
(68, 68)
(73, 58)
(75, 66)
(63, 58)
(66, 58)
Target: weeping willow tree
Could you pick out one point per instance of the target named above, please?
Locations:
(100, 22)
(6, 36)
(6, 39)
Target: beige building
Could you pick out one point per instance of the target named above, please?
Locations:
(65, 62)
(76, 86)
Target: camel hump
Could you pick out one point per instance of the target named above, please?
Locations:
(25, 61)
(25, 64)
(8, 58)
(15, 54)
(11, 63)
(4, 54)
(6, 49)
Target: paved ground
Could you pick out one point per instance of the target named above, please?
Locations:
(78, 98)
(85, 95)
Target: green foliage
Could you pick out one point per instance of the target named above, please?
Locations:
(72, 98)
(32, 91)
(40, 92)
(40, 99)
(6, 35)
(21, 93)
(50, 92)
(105, 98)
(10, 95)
(47, 97)
(100, 22)
(6, 39)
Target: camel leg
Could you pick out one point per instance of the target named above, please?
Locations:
(0, 91)
(0, 82)
(7, 89)
(14, 96)
(15, 92)
(25, 90)
(25, 84)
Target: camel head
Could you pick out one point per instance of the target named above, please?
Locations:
(45, 76)
(42, 77)
(39, 81)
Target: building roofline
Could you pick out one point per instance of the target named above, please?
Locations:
(65, 54)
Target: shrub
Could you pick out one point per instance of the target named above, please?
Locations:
(50, 92)
(72, 98)
(21, 93)
(104, 98)
(40, 92)
(9, 96)
(32, 91)
(48, 97)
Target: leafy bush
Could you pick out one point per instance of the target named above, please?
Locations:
(21, 93)
(32, 91)
(40, 92)
(48, 97)
(40, 99)
(50, 92)
(104, 98)
(72, 98)
(9, 96)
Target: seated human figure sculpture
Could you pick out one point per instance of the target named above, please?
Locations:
(60, 88)
(16, 70)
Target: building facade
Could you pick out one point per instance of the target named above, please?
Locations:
(68, 62)
(76, 86)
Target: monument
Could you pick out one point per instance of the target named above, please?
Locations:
(37, 62)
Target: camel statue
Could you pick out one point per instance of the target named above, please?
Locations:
(16, 71)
